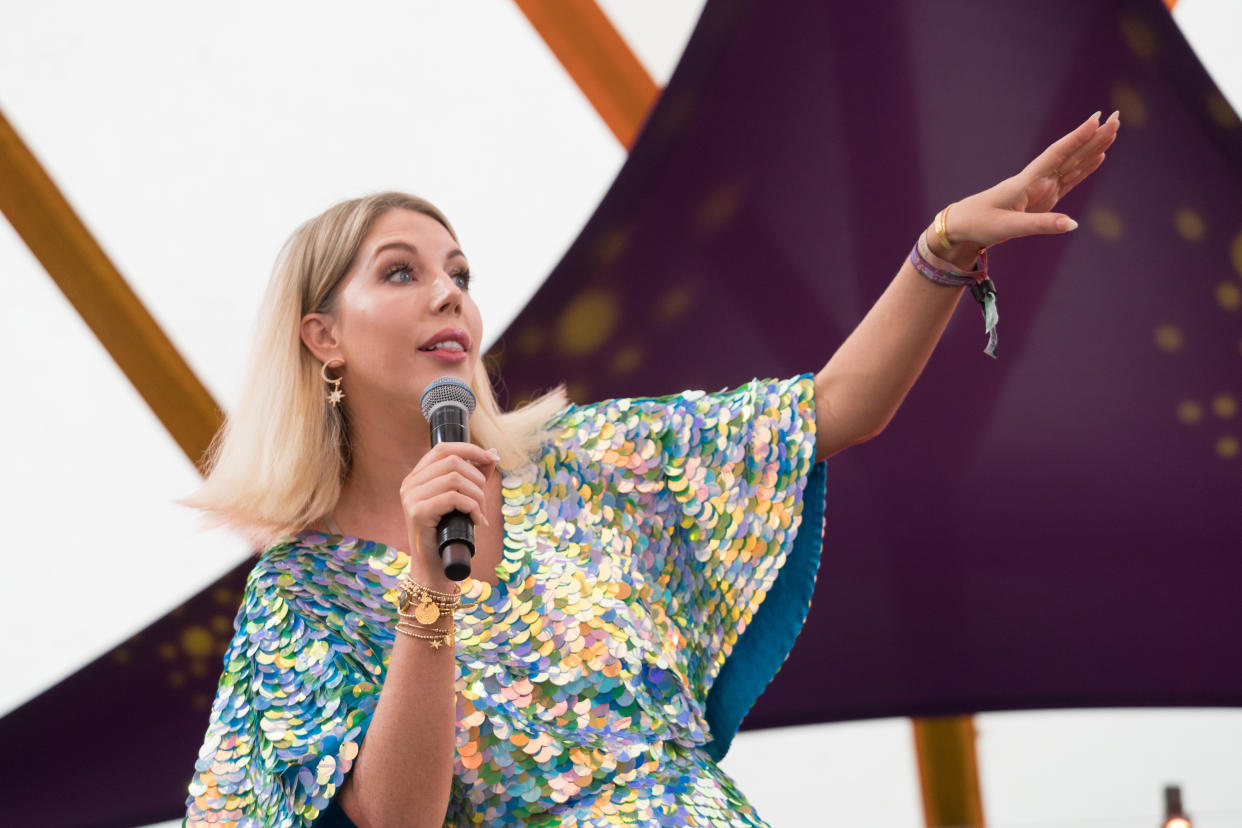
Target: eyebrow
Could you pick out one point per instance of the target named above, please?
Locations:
(411, 248)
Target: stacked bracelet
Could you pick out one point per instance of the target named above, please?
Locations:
(944, 273)
(438, 638)
(426, 606)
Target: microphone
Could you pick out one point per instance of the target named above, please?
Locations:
(447, 404)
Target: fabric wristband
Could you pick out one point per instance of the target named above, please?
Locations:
(945, 273)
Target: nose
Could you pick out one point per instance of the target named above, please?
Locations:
(446, 295)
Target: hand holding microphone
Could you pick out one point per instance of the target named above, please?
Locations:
(443, 496)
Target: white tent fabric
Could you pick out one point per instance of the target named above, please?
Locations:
(192, 139)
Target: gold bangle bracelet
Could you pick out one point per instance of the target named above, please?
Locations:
(429, 605)
(942, 227)
(408, 584)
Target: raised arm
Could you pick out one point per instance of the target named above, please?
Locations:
(404, 771)
(861, 387)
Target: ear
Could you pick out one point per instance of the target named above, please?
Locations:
(318, 334)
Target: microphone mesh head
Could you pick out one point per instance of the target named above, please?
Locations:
(446, 390)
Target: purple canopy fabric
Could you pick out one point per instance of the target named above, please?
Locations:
(1056, 528)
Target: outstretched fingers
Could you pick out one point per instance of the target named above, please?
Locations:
(1070, 180)
(1062, 150)
(1077, 149)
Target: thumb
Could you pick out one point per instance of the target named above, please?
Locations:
(1014, 224)
(1059, 223)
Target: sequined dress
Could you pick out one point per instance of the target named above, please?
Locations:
(658, 563)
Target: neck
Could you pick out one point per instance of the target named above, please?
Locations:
(387, 442)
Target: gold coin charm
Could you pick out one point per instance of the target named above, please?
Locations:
(427, 612)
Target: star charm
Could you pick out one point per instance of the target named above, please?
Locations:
(435, 644)
(336, 396)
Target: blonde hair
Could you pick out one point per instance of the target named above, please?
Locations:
(277, 463)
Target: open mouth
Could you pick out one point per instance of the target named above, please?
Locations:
(448, 341)
(446, 345)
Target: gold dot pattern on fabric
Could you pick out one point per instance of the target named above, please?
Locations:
(610, 246)
(1130, 103)
(1189, 224)
(197, 642)
(1224, 406)
(1189, 412)
(718, 208)
(636, 551)
(530, 340)
(626, 360)
(1105, 223)
(1139, 35)
(1228, 296)
(587, 322)
(676, 302)
(1227, 447)
(1168, 338)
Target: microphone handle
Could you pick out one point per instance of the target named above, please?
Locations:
(455, 531)
(455, 538)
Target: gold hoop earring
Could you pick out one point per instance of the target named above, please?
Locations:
(336, 394)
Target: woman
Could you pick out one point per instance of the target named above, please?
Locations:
(595, 665)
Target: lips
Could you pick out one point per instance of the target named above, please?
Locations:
(450, 336)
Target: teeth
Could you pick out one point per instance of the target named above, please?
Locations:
(447, 345)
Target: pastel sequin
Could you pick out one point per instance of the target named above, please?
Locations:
(636, 551)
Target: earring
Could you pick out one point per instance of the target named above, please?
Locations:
(336, 394)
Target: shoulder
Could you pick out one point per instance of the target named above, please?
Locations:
(319, 573)
(620, 417)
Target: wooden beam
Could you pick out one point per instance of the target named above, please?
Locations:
(598, 59)
(60, 241)
(948, 771)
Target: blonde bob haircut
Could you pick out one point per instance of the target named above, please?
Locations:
(277, 463)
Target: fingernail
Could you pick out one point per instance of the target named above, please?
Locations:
(1116, 114)
(1095, 117)
(494, 453)
(1066, 223)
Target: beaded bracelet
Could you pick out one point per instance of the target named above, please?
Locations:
(429, 605)
(944, 273)
(438, 638)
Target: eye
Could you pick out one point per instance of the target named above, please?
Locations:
(462, 277)
(399, 268)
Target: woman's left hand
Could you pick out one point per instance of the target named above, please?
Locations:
(1020, 205)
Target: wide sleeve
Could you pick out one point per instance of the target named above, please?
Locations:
(290, 712)
(726, 504)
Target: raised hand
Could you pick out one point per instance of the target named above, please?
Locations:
(1021, 205)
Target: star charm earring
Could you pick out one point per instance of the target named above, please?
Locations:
(336, 394)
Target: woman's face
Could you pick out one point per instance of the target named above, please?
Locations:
(404, 315)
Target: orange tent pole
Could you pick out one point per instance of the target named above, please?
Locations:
(60, 241)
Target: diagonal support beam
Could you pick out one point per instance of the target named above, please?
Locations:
(60, 241)
(949, 771)
(599, 61)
